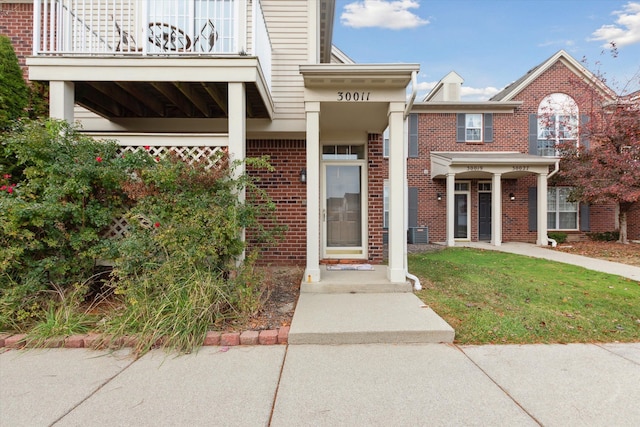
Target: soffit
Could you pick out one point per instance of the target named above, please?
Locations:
(181, 87)
(390, 76)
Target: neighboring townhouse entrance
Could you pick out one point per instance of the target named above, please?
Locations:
(484, 211)
(461, 212)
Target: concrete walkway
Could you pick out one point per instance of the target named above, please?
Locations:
(326, 385)
(531, 250)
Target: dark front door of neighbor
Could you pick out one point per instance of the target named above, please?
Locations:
(484, 216)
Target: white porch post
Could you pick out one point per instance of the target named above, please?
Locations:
(312, 273)
(237, 133)
(397, 231)
(451, 189)
(496, 210)
(61, 100)
(542, 210)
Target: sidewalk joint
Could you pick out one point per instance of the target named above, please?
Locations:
(499, 386)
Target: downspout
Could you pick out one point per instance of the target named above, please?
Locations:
(414, 90)
(552, 173)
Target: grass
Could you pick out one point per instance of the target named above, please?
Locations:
(495, 297)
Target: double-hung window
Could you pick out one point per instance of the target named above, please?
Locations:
(561, 213)
(474, 127)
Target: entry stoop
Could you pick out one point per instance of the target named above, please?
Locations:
(366, 318)
(359, 281)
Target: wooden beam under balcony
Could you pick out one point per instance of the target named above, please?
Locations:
(152, 103)
(175, 96)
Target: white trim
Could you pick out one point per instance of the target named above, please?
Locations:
(468, 194)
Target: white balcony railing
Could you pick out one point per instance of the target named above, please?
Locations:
(151, 27)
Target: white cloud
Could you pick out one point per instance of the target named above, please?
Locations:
(626, 31)
(466, 93)
(394, 15)
(477, 94)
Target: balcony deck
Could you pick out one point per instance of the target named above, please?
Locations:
(154, 58)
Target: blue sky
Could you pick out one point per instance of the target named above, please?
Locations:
(491, 43)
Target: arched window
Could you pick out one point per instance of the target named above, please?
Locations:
(557, 123)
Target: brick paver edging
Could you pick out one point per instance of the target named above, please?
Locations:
(266, 337)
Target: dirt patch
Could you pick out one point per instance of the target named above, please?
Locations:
(280, 293)
(610, 251)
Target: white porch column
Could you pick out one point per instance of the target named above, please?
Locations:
(238, 134)
(61, 100)
(397, 230)
(312, 273)
(450, 202)
(542, 210)
(496, 210)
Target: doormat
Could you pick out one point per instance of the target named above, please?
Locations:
(343, 267)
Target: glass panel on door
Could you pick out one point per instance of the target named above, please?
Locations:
(460, 216)
(343, 206)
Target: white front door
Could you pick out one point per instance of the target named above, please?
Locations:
(343, 211)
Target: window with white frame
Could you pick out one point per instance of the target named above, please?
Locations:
(561, 213)
(473, 127)
(557, 123)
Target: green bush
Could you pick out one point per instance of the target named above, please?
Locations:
(175, 273)
(176, 269)
(14, 94)
(558, 236)
(606, 236)
(60, 191)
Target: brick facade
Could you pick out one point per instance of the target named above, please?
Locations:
(16, 22)
(288, 157)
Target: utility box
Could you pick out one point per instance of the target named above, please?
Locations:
(418, 235)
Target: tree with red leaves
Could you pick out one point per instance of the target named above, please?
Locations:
(608, 170)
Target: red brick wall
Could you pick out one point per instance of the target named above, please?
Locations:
(283, 185)
(378, 172)
(16, 22)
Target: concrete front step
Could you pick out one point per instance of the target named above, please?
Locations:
(366, 318)
(346, 281)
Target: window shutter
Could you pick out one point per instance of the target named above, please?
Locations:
(584, 138)
(413, 206)
(533, 209)
(413, 135)
(585, 217)
(488, 127)
(461, 128)
(533, 134)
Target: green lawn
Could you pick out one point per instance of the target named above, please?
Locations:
(495, 297)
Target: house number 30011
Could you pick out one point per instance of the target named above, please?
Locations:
(353, 96)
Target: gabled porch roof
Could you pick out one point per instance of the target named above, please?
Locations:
(482, 165)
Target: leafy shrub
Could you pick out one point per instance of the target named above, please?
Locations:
(176, 272)
(14, 94)
(606, 236)
(61, 190)
(558, 236)
(176, 269)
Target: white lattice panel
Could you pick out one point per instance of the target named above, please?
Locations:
(210, 155)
